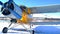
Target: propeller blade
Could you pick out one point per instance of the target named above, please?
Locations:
(1, 3)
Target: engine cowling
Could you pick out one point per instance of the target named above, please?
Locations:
(6, 11)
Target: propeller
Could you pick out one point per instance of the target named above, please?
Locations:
(9, 2)
(1, 3)
(9, 7)
(4, 5)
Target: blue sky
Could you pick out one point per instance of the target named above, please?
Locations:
(32, 3)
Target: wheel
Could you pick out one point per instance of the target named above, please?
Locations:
(5, 29)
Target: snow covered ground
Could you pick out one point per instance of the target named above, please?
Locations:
(5, 23)
(39, 29)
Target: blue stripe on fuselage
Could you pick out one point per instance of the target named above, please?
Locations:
(15, 14)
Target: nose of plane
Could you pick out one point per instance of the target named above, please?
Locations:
(6, 11)
(11, 6)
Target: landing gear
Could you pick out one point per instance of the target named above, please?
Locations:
(5, 29)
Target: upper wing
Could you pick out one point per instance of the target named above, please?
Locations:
(45, 9)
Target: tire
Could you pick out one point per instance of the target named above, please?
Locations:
(5, 30)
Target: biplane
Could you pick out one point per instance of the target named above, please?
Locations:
(22, 14)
